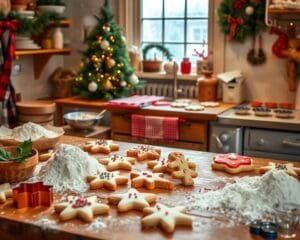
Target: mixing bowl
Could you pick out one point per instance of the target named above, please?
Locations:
(82, 120)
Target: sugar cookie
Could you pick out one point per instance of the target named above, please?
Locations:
(210, 104)
(166, 217)
(132, 200)
(182, 168)
(194, 107)
(289, 168)
(5, 192)
(144, 152)
(232, 163)
(149, 180)
(115, 162)
(80, 207)
(108, 180)
(160, 165)
(100, 146)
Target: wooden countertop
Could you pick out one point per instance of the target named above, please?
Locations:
(28, 223)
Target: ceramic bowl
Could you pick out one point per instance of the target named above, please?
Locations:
(82, 120)
(51, 8)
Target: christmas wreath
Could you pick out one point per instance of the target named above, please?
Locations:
(241, 18)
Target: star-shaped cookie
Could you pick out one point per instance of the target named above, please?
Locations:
(115, 162)
(132, 200)
(5, 192)
(144, 152)
(150, 180)
(100, 146)
(108, 180)
(160, 165)
(182, 168)
(289, 168)
(166, 217)
(80, 207)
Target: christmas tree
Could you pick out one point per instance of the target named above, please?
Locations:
(105, 70)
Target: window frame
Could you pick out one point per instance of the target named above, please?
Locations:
(129, 20)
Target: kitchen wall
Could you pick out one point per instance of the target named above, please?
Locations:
(267, 82)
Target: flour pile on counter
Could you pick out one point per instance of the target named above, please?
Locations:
(250, 198)
(26, 131)
(69, 169)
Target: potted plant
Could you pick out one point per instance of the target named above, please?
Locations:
(57, 6)
(154, 65)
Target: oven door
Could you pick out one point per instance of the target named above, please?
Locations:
(272, 144)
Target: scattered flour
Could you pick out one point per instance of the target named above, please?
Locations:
(249, 198)
(96, 225)
(45, 223)
(26, 131)
(69, 169)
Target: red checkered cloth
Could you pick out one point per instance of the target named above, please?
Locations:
(7, 92)
(153, 127)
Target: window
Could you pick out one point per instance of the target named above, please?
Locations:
(180, 25)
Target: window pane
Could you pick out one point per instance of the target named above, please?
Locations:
(177, 50)
(152, 8)
(191, 51)
(197, 30)
(197, 8)
(152, 30)
(174, 30)
(174, 8)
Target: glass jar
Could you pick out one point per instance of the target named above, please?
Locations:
(185, 66)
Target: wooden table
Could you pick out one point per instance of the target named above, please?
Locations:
(27, 223)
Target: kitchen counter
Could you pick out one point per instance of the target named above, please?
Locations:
(269, 122)
(43, 223)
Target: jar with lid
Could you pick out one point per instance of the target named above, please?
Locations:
(207, 87)
(185, 66)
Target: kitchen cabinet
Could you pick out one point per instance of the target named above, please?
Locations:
(42, 56)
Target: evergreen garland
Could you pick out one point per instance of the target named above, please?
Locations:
(241, 18)
(35, 25)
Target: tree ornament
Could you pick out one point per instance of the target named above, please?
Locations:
(106, 27)
(123, 83)
(124, 40)
(92, 87)
(110, 63)
(249, 10)
(104, 44)
(133, 79)
(108, 85)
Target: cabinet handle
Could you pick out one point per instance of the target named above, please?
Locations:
(219, 142)
(290, 144)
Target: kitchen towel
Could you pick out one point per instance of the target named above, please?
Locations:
(154, 127)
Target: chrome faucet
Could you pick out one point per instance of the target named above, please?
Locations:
(175, 81)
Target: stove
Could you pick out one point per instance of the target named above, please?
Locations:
(263, 135)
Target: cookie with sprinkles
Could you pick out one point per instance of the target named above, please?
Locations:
(100, 146)
(166, 217)
(115, 162)
(150, 180)
(144, 152)
(107, 180)
(289, 168)
(132, 200)
(80, 207)
(160, 165)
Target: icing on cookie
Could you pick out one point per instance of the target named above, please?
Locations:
(232, 160)
(289, 168)
(5, 192)
(160, 165)
(108, 180)
(80, 207)
(100, 146)
(166, 217)
(149, 180)
(115, 162)
(132, 200)
(144, 152)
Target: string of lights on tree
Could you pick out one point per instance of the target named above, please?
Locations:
(105, 70)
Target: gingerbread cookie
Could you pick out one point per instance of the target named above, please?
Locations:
(210, 104)
(149, 180)
(115, 162)
(289, 168)
(144, 152)
(100, 146)
(232, 163)
(46, 156)
(166, 217)
(182, 168)
(132, 200)
(108, 180)
(5, 192)
(80, 207)
(160, 165)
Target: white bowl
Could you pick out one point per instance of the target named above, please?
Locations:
(51, 8)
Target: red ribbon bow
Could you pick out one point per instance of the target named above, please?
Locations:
(234, 22)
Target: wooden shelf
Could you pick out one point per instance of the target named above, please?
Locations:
(42, 51)
(280, 11)
(63, 23)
